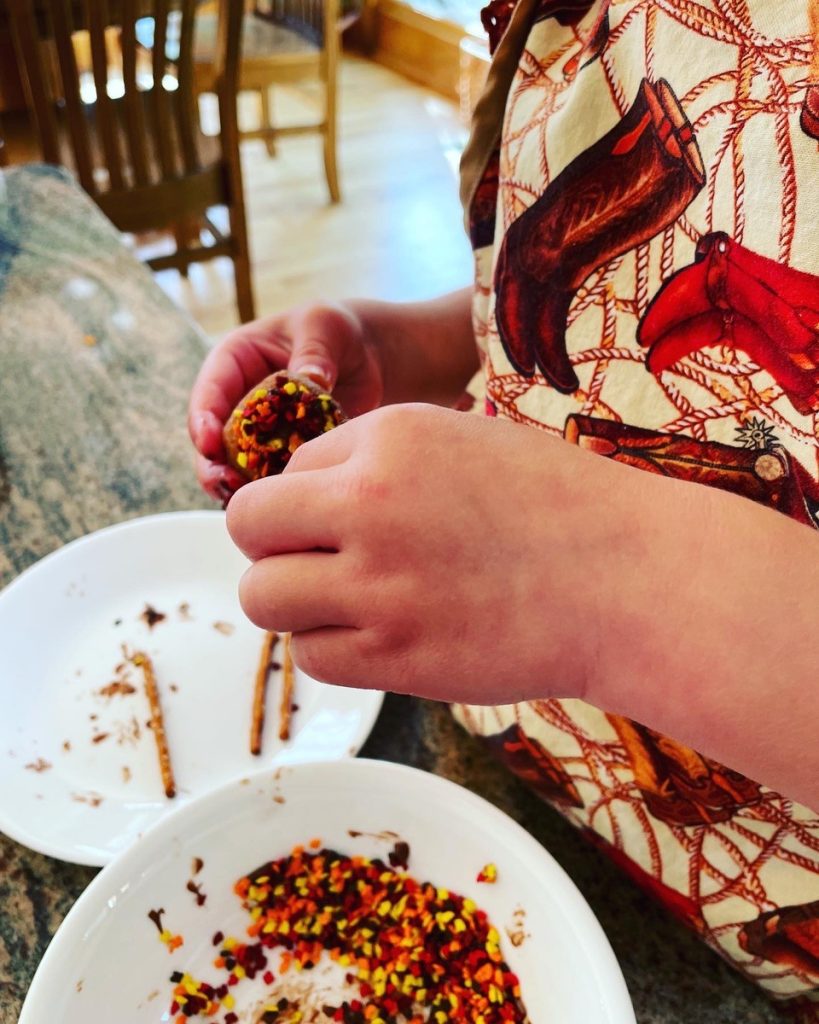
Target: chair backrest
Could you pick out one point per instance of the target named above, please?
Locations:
(128, 117)
(317, 21)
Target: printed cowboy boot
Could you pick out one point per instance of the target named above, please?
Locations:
(770, 475)
(809, 118)
(620, 192)
(732, 296)
(679, 785)
(527, 758)
(787, 935)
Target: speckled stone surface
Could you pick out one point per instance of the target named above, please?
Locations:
(95, 369)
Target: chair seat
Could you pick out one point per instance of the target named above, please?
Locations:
(260, 38)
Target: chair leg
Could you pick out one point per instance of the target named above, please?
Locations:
(330, 165)
(241, 263)
(185, 232)
(244, 288)
(330, 117)
(267, 119)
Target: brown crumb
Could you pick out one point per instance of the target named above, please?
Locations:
(517, 934)
(100, 737)
(151, 616)
(89, 340)
(79, 984)
(173, 688)
(399, 854)
(156, 917)
(197, 865)
(225, 628)
(196, 889)
(66, 745)
(40, 765)
(277, 799)
(126, 773)
(90, 798)
(117, 687)
(184, 610)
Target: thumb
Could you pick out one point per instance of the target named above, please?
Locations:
(321, 336)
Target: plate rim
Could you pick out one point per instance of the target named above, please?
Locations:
(120, 526)
(20, 834)
(619, 1007)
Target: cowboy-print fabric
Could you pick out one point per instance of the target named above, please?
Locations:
(643, 211)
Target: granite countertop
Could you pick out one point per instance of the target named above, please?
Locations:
(98, 436)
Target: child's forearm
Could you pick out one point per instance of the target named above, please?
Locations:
(427, 349)
(713, 640)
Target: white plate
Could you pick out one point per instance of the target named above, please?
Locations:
(567, 971)
(62, 626)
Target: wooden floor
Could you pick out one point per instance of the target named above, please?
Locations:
(397, 234)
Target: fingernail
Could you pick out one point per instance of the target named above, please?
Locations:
(318, 374)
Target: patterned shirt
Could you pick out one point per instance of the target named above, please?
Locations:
(641, 194)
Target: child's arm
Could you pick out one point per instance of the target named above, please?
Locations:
(370, 353)
(477, 560)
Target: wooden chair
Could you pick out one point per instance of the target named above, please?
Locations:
(133, 138)
(284, 42)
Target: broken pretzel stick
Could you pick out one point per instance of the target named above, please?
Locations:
(285, 706)
(157, 723)
(259, 692)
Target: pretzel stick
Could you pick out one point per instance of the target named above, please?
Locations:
(259, 692)
(141, 660)
(287, 691)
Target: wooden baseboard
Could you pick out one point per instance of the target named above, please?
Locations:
(424, 49)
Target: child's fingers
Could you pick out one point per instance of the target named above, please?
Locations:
(294, 592)
(242, 359)
(293, 512)
(206, 433)
(216, 479)
(322, 335)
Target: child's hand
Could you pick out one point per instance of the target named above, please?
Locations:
(424, 550)
(327, 343)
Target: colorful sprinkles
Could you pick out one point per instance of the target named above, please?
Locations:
(488, 874)
(413, 951)
(173, 942)
(273, 420)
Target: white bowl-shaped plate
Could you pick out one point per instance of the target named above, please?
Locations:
(79, 771)
(106, 961)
